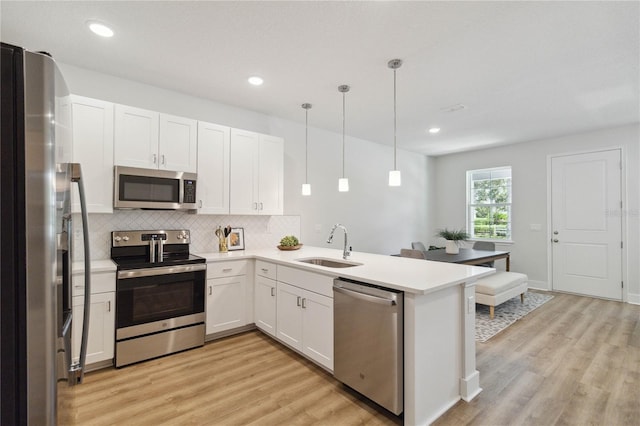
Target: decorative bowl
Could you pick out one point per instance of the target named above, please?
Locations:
(285, 248)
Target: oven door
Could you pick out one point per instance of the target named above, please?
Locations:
(158, 299)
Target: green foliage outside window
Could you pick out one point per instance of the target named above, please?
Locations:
(490, 204)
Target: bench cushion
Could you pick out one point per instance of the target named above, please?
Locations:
(499, 282)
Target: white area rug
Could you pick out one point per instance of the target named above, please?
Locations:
(506, 314)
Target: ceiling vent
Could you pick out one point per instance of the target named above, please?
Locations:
(454, 108)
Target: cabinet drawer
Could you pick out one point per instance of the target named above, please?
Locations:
(266, 269)
(226, 269)
(100, 283)
(316, 283)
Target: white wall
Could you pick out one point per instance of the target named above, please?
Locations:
(379, 219)
(529, 168)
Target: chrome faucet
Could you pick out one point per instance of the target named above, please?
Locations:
(345, 253)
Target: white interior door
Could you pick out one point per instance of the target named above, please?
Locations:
(586, 207)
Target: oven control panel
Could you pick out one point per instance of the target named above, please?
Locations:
(142, 238)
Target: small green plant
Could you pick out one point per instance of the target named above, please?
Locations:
(289, 241)
(453, 235)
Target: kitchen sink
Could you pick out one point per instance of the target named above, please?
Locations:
(329, 263)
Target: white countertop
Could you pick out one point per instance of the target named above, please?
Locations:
(105, 265)
(401, 273)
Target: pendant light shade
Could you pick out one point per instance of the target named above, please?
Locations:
(395, 179)
(306, 187)
(343, 182)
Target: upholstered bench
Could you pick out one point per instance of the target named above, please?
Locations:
(500, 287)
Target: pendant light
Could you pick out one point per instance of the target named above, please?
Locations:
(395, 178)
(306, 187)
(343, 182)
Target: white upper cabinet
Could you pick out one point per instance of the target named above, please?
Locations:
(136, 137)
(271, 175)
(213, 168)
(178, 147)
(152, 140)
(93, 149)
(256, 173)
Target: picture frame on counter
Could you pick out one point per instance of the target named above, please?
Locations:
(236, 239)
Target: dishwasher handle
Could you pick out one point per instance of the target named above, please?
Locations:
(366, 297)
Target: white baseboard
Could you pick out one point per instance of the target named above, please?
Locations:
(634, 299)
(539, 285)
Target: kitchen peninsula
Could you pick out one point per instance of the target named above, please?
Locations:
(439, 319)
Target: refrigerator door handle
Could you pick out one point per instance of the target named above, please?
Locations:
(76, 373)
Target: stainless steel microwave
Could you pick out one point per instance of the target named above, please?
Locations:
(136, 188)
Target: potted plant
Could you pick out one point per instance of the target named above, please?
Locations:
(453, 237)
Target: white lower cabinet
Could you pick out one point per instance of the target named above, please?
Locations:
(226, 296)
(305, 322)
(265, 304)
(102, 315)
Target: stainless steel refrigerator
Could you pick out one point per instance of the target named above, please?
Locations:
(36, 174)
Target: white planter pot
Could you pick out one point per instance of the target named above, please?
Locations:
(451, 247)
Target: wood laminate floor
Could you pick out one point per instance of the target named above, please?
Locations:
(573, 361)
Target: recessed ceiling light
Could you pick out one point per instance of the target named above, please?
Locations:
(100, 29)
(434, 130)
(255, 80)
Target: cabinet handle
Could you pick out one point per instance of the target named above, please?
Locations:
(155, 158)
(255, 206)
(265, 270)
(304, 306)
(108, 305)
(261, 206)
(299, 300)
(210, 290)
(273, 291)
(162, 159)
(227, 270)
(199, 204)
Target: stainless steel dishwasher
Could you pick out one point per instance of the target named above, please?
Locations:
(368, 341)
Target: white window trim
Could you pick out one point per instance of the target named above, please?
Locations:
(468, 202)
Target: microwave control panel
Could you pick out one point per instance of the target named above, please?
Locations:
(189, 191)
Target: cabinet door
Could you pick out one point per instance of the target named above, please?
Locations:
(225, 303)
(213, 168)
(289, 315)
(178, 144)
(271, 175)
(136, 137)
(101, 327)
(93, 149)
(265, 305)
(317, 325)
(243, 176)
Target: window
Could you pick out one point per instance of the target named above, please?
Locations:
(489, 203)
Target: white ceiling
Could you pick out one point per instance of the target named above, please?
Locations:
(524, 70)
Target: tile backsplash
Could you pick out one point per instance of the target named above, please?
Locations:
(259, 231)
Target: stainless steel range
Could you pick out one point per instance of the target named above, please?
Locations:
(160, 298)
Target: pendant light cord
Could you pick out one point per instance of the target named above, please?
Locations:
(343, 130)
(395, 119)
(306, 145)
